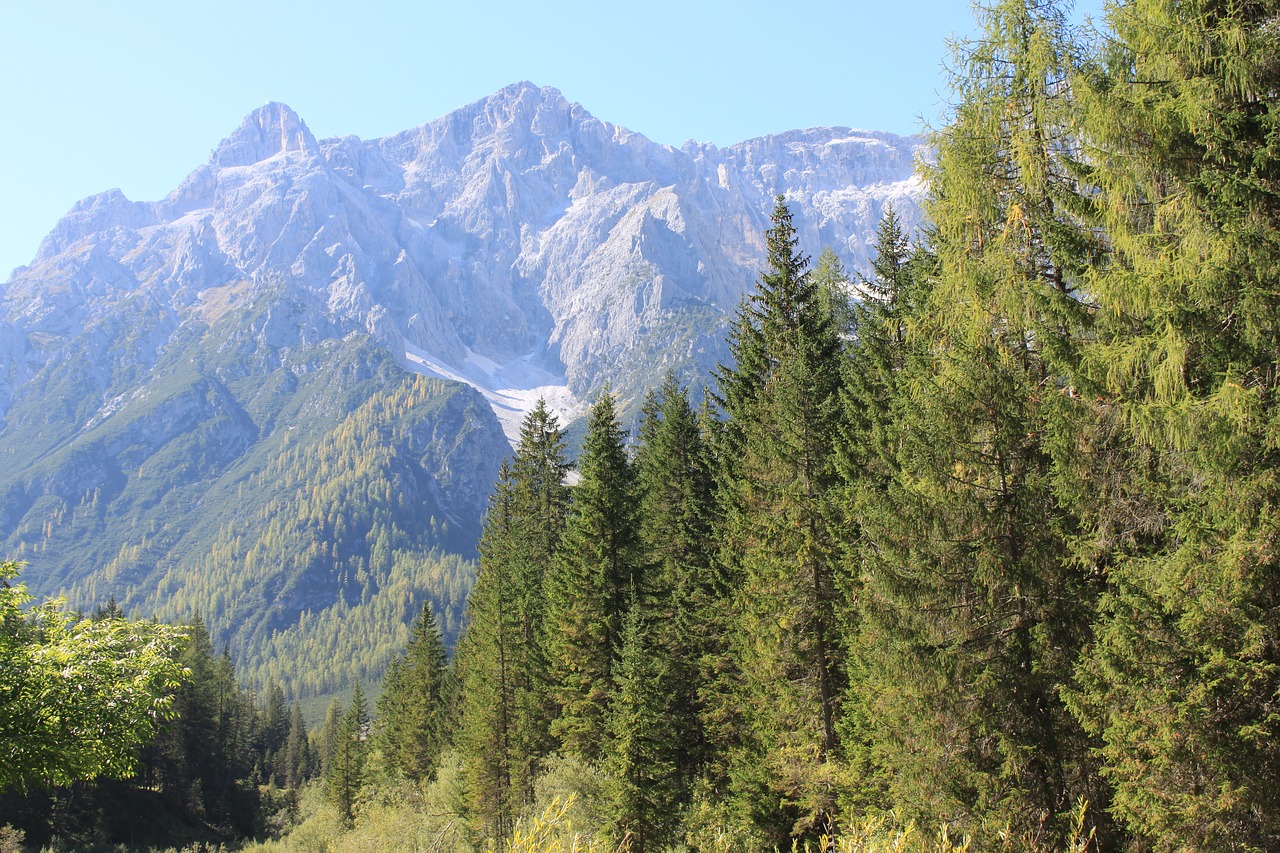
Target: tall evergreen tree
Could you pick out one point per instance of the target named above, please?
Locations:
(867, 458)
(203, 758)
(971, 610)
(587, 592)
(505, 711)
(346, 775)
(413, 709)
(298, 760)
(647, 787)
(834, 291)
(272, 734)
(781, 400)
(679, 594)
(327, 735)
(1181, 683)
(656, 746)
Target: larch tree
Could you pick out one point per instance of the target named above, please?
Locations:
(1182, 112)
(971, 610)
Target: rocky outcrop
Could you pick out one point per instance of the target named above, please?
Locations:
(516, 227)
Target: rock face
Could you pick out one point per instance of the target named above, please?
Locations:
(517, 229)
(207, 403)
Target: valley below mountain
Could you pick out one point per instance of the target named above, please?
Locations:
(278, 397)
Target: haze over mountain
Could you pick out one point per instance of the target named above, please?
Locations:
(209, 402)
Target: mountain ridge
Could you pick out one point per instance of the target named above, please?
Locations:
(262, 323)
(529, 181)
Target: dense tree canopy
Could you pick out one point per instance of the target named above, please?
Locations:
(984, 538)
(78, 697)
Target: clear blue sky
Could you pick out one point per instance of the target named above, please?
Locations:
(135, 93)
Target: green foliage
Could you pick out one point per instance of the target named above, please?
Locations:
(204, 757)
(348, 758)
(777, 475)
(679, 599)
(970, 610)
(596, 567)
(1183, 450)
(77, 697)
(413, 710)
(505, 713)
(648, 787)
(299, 762)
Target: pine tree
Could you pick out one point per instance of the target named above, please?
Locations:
(505, 712)
(781, 399)
(597, 563)
(970, 608)
(346, 774)
(1181, 111)
(413, 708)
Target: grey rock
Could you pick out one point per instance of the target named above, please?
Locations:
(519, 228)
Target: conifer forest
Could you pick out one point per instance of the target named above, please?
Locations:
(979, 546)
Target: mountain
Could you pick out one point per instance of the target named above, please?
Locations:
(219, 402)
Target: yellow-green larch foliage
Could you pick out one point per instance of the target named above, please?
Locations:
(970, 609)
(1181, 115)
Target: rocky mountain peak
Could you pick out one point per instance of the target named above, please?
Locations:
(270, 130)
(517, 243)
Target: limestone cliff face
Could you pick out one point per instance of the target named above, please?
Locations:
(518, 227)
(204, 400)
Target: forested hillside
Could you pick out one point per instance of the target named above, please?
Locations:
(984, 559)
(298, 489)
(992, 548)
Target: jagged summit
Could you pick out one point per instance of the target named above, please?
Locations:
(271, 129)
(157, 356)
(516, 236)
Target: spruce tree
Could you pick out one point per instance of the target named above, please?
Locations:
(298, 760)
(656, 747)
(346, 774)
(679, 594)
(1182, 114)
(325, 737)
(587, 591)
(781, 400)
(272, 734)
(970, 608)
(505, 711)
(834, 291)
(647, 787)
(201, 758)
(413, 708)
(867, 458)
